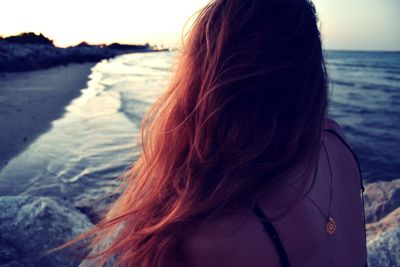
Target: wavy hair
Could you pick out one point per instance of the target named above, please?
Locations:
(244, 108)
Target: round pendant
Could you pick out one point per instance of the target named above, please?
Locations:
(331, 226)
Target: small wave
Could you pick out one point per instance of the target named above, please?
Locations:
(379, 87)
(134, 109)
(160, 69)
(130, 63)
(103, 172)
(365, 66)
(337, 64)
(338, 82)
(392, 78)
(396, 72)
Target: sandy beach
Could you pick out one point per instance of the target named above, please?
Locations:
(30, 101)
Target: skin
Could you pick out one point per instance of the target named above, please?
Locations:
(240, 240)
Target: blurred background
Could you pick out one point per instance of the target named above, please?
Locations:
(76, 78)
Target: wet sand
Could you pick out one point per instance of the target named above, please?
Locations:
(30, 101)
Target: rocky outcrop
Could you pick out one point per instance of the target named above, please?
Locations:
(380, 199)
(30, 226)
(382, 213)
(29, 51)
(383, 241)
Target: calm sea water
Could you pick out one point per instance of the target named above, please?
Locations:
(365, 100)
(96, 139)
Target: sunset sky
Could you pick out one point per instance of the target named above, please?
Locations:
(346, 24)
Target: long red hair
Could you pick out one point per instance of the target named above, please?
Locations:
(244, 108)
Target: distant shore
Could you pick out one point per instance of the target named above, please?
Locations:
(29, 51)
(30, 101)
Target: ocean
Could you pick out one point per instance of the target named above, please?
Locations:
(365, 100)
(97, 138)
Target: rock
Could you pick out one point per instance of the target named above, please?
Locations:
(383, 239)
(29, 226)
(95, 208)
(380, 199)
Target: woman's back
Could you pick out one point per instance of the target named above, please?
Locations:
(240, 240)
(244, 110)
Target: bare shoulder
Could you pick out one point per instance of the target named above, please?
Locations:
(330, 124)
(340, 152)
(234, 240)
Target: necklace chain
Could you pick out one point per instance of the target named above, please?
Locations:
(331, 224)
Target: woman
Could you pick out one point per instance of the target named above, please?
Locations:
(240, 166)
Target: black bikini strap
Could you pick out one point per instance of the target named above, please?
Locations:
(269, 228)
(352, 152)
(359, 170)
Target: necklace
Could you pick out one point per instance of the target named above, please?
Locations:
(330, 223)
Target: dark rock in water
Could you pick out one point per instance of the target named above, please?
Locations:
(30, 226)
(95, 208)
(92, 201)
(383, 241)
(380, 199)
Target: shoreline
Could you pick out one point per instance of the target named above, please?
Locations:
(30, 101)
